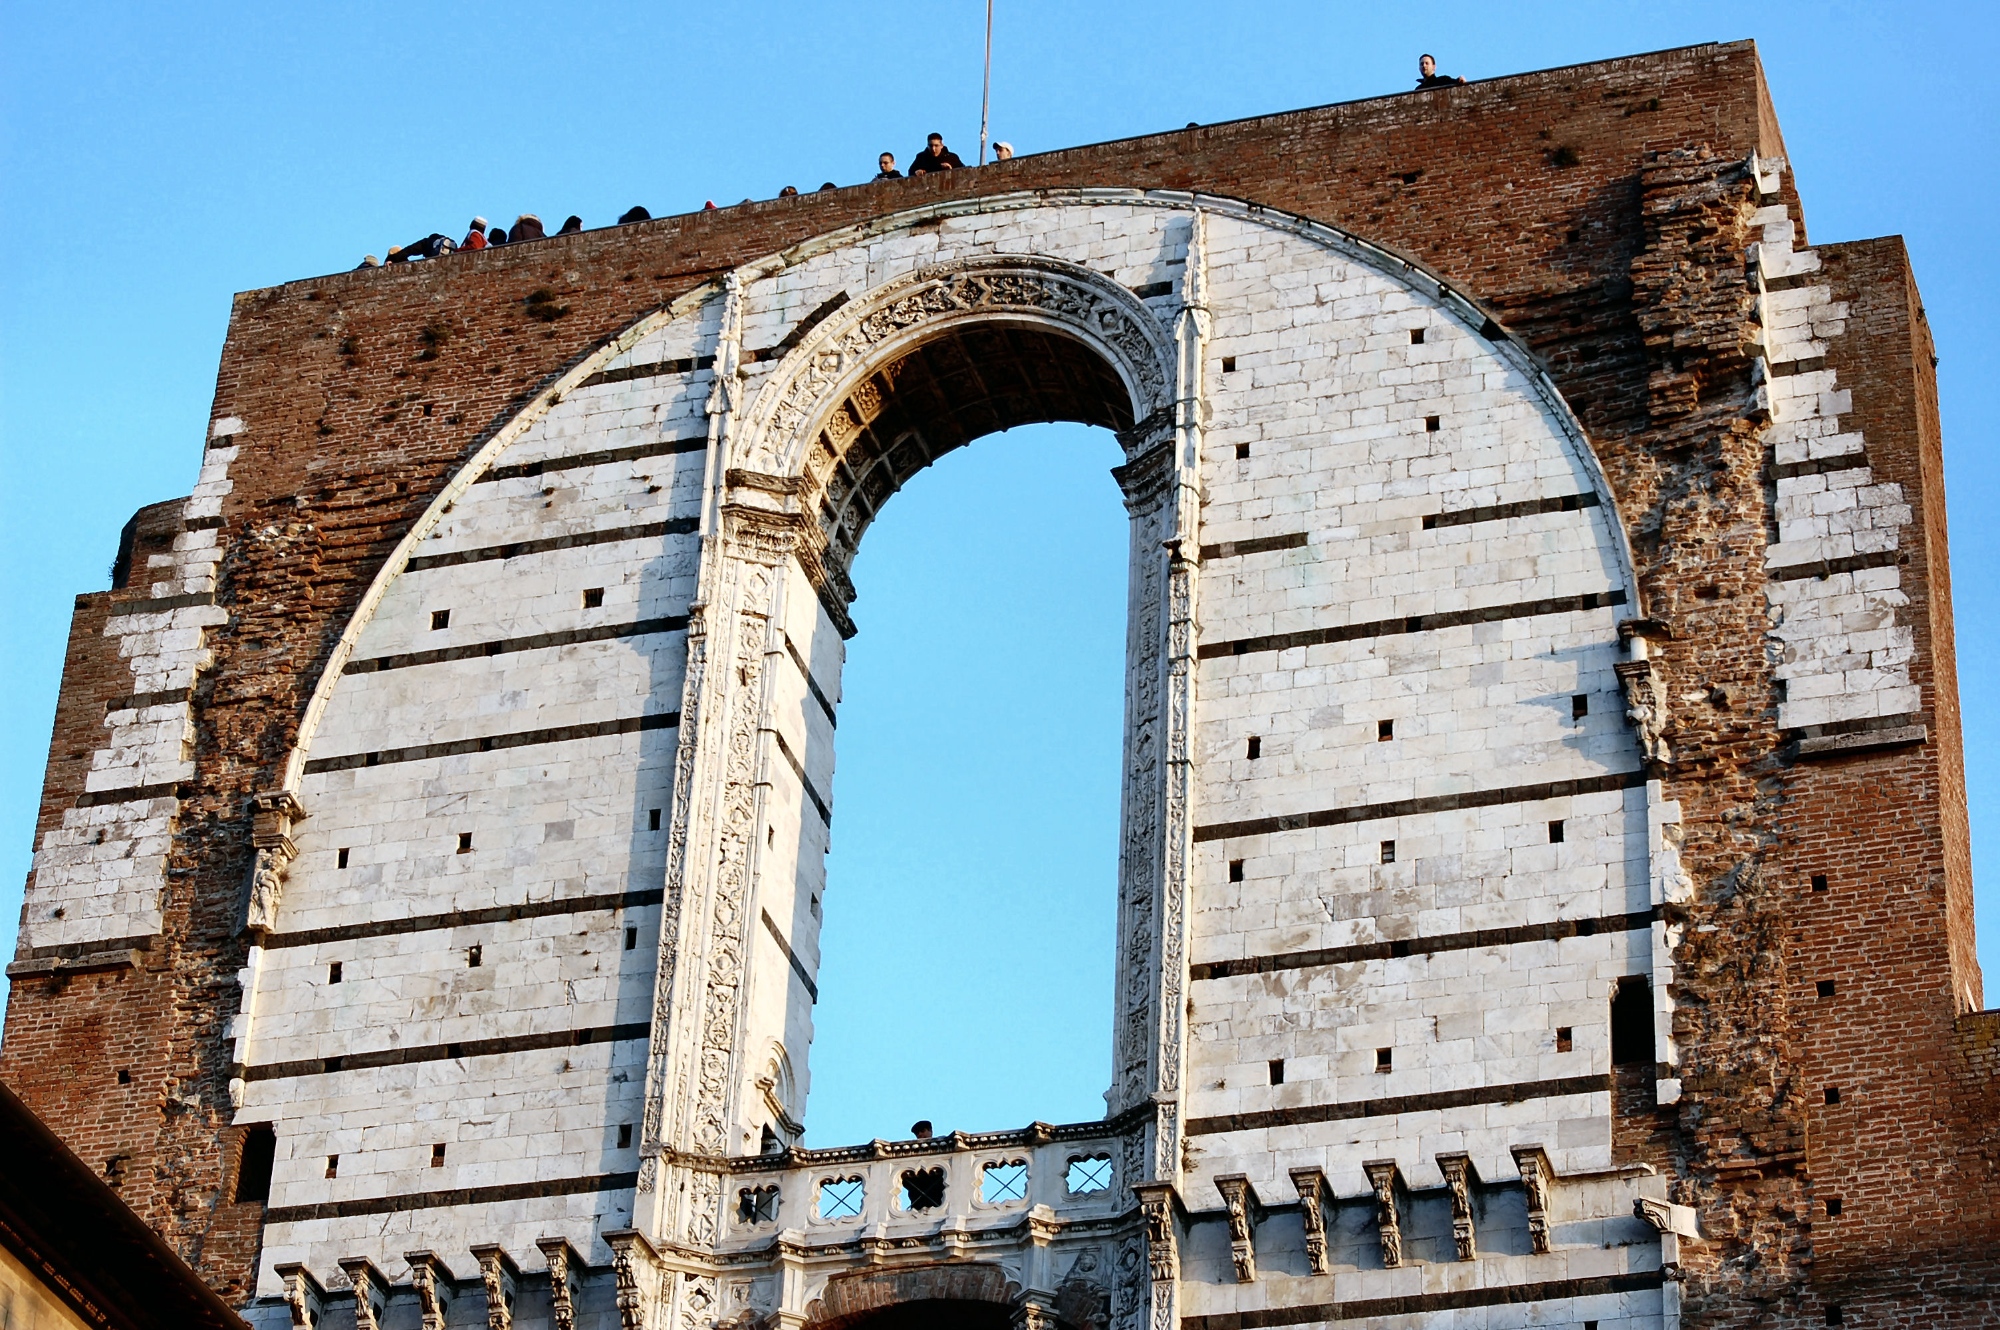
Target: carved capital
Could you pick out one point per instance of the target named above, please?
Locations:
(371, 1291)
(432, 1280)
(1382, 1181)
(1460, 1179)
(1156, 1203)
(563, 1263)
(635, 1273)
(304, 1297)
(1537, 1178)
(1239, 1198)
(501, 1277)
(1311, 1185)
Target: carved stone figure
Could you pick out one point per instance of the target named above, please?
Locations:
(1240, 1202)
(1535, 1179)
(1646, 708)
(370, 1291)
(1382, 1178)
(1311, 1184)
(499, 1275)
(1458, 1177)
(562, 1289)
(1156, 1202)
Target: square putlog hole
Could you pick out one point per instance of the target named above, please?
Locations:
(593, 599)
(1242, 451)
(1416, 337)
(1432, 424)
(1235, 870)
(440, 619)
(1385, 1059)
(465, 842)
(1277, 1067)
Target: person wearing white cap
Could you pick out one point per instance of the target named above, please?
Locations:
(476, 237)
(1003, 152)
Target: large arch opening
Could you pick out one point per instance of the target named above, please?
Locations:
(968, 945)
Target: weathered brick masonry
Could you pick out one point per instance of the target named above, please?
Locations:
(1603, 215)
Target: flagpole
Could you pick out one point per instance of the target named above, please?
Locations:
(986, 88)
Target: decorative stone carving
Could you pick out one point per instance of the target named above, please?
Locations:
(1240, 1200)
(1156, 1203)
(1382, 1179)
(304, 1297)
(371, 1291)
(1311, 1184)
(563, 1262)
(1666, 1217)
(433, 1284)
(501, 1277)
(816, 375)
(271, 816)
(1646, 708)
(1460, 1180)
(1536, 1179)
(635, 1274)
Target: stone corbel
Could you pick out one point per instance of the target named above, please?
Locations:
(1240, 1199)
(1675, 1224)
(1461, 1179)
(304, 1297)
(635, 1269)
(1157, 1204)
(563, 1262)
(1537, 1180)
(432, 1280)
(1382, 1181)
(502, 1278)
(1645, 690)
(1311, 1184)
(272, 814)
(371, 1291)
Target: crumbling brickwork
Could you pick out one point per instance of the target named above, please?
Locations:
(1765, 416)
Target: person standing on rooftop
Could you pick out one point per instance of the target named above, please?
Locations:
(476, 237)
(935, 157)
(887, 164)
(1003, 151)
(1428, 76)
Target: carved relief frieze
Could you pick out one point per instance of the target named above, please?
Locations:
(635, 1275)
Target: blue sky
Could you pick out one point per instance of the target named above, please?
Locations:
(154, 159)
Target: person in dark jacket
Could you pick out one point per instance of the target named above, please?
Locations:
(887, 167)
(433, 246)
(1428, 76)
(497, 236)
(571, 225)
(526, 227)
(635, 213)
(935, 157)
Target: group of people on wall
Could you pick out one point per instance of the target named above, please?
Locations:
(935, 157)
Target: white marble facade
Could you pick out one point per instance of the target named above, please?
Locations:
(518, 979)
